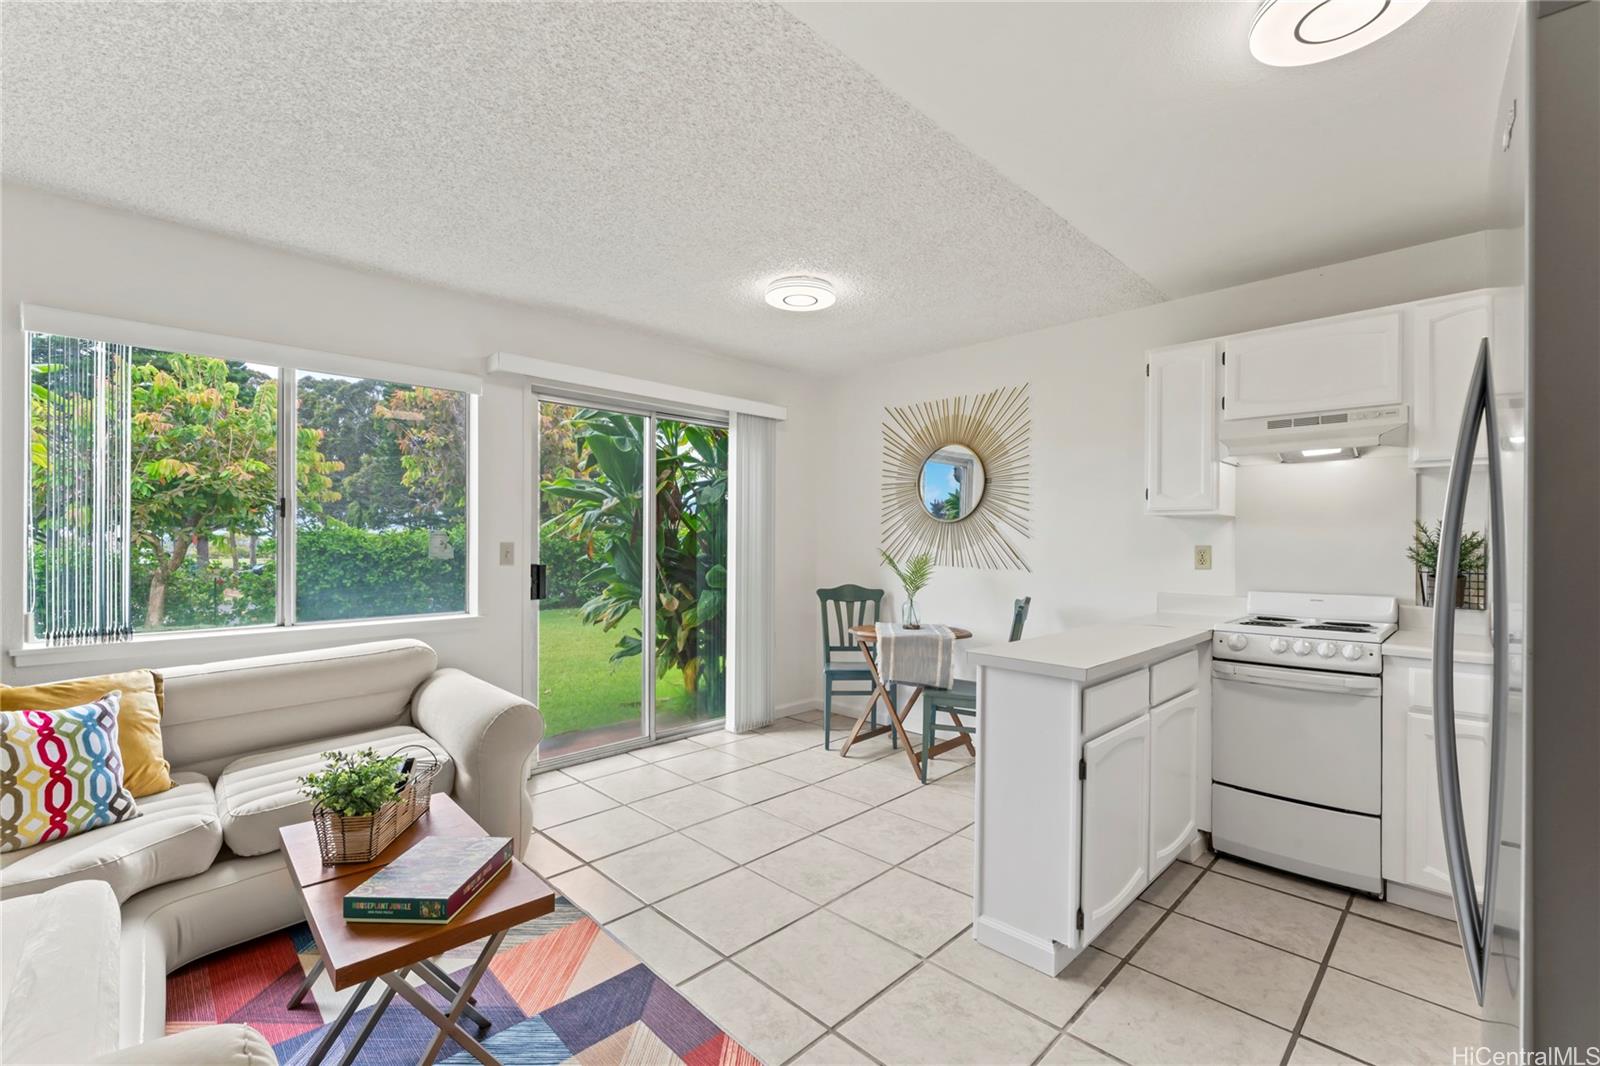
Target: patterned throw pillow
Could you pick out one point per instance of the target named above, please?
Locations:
(60, 773)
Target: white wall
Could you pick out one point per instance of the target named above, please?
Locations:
(1094, 553)
(63, 253)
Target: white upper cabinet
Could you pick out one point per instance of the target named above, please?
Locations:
(1329, 364)
(1182, 474)
(1444, 336)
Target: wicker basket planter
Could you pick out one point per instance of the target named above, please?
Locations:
(346, 838)
(1472, 589)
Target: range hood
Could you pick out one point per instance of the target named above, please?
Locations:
(1322, 435)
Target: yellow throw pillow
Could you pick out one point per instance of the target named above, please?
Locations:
(145, 768)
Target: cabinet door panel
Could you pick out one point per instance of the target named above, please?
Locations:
(1426, 863)
(1174, 778)
(1353, 361)
(1116, 823)
(1444, 336)
(1181, 474)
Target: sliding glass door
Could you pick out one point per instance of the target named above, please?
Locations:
(691, 551)
(627, 570)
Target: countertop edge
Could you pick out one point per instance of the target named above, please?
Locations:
(994, 655)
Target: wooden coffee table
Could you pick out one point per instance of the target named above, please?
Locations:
(363, 953)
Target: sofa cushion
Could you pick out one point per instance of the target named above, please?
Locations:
(59, 971)
(221, 711)
(144, 765)
(177, 834)
(209, 1045)
(60, 773)
(260, 794)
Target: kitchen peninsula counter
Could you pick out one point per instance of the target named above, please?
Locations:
(1093, 776)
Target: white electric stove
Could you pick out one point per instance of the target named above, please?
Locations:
(1297, 734)
(1343, 634)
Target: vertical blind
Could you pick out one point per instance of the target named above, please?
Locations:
(79, 472)
(752, 682)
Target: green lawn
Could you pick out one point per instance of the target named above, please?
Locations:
(579, 688)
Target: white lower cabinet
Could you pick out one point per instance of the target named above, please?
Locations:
(1116, 823)
(1426, 865)
(1085, 792)
(1174, 778)
(1413, 828)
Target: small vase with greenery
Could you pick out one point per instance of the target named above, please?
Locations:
(1473, 558)
(914, 577)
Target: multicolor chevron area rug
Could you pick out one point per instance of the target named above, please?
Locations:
(559, 990)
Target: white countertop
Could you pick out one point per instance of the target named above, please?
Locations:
(1414, 639)
(1417, 643)
(1092, 652)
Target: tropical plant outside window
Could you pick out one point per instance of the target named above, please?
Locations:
(165, 467)
(592, 542)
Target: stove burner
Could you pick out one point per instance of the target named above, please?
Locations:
(1344, 627)
(1265, 625)
(1262, 618)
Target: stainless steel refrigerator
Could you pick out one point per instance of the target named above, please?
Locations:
(1531, 415)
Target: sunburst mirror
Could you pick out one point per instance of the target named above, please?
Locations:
(955, 479)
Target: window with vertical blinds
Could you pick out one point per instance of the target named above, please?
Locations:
(172, 490)
(79, 405)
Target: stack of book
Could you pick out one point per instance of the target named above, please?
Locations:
(431, 882)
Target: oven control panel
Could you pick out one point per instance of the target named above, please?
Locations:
(1305, 652)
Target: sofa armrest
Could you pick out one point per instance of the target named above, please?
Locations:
(212, 1045)
(493, 737)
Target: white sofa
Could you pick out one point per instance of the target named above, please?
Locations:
(61, 972)
(199, 869)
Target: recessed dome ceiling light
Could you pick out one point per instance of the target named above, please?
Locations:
(800, 294)
(1295, 33)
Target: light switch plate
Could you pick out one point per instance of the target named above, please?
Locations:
(1202, 557)
(508, 553)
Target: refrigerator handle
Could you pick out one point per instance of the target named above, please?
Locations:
(1475, 923)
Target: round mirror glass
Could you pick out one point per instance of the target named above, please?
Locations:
(952, 482)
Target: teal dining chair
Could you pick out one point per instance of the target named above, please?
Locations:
(844, 606)
(960, 700)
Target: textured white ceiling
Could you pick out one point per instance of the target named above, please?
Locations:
(652, 163)
(1152, 129)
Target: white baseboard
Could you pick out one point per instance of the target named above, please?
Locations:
(1046, 956)
(1421, 899)
(783, 710)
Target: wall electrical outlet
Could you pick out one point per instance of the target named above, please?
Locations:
(508, 553)
(1202, 557)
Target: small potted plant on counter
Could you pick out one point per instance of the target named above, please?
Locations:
(1471, 566)
(914, 577)
(362, 800)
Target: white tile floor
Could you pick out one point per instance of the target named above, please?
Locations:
(819, 909)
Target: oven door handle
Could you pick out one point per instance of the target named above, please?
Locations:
(1278, 677)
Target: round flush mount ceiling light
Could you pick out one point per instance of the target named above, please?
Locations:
(1296, 33)
(800, 294)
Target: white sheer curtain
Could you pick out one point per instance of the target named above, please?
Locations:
(754, 468)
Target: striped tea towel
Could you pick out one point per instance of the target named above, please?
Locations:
(923, 656)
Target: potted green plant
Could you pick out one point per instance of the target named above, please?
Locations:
(914, 577)
(1471, 563)
(362, 800)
